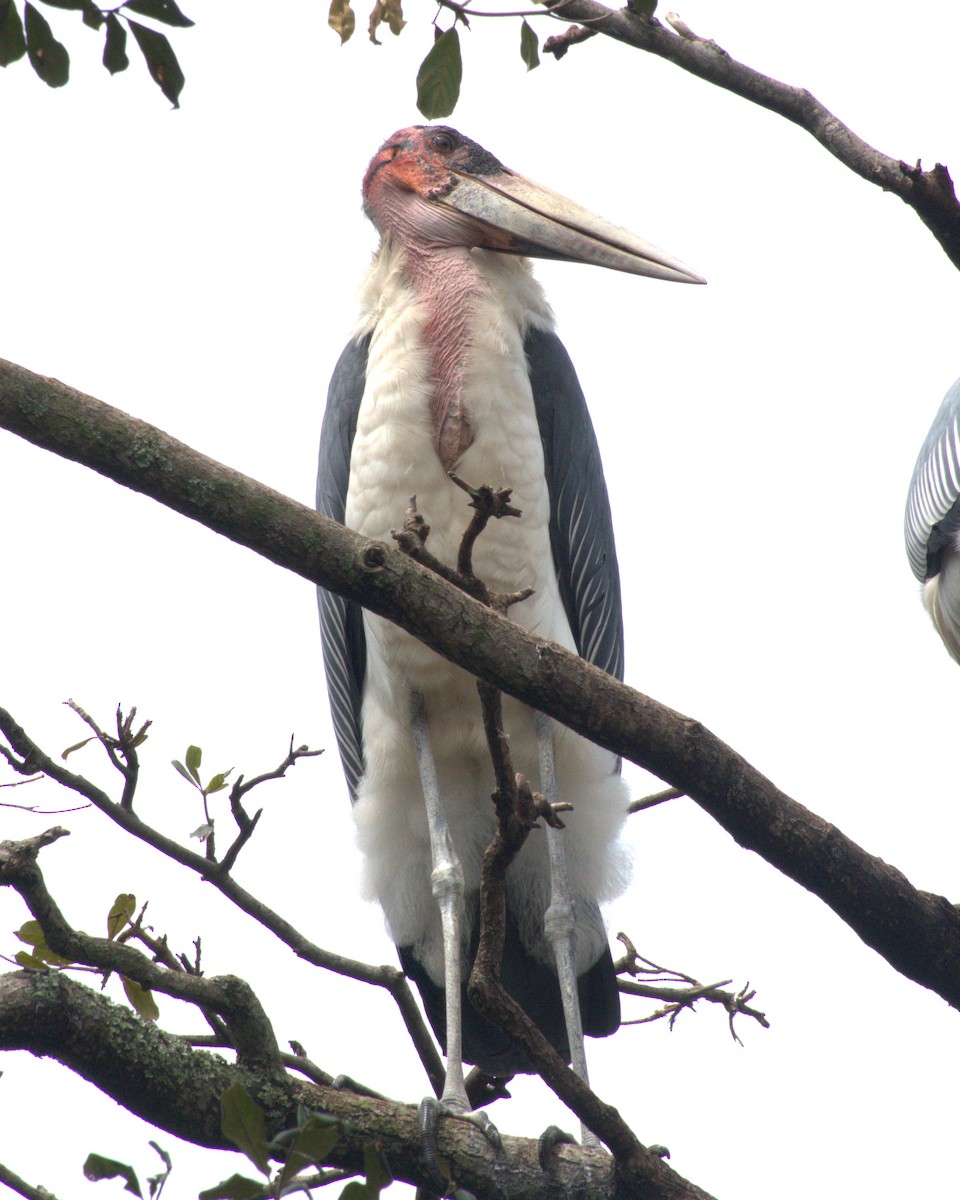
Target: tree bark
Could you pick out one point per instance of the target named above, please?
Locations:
(166, 1082)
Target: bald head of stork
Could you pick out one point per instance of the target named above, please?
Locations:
(431, 189)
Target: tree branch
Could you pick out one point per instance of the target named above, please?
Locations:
(231, 998)
(29, 757)
(159, 1078)
(929, 193)
(918, 933)
(13, 1181)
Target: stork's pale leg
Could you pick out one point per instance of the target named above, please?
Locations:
(558, 920)
(446, 881)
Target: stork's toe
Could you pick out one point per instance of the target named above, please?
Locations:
(428, 1119)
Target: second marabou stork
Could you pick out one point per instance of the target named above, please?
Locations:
(932, 521)
(454, 366)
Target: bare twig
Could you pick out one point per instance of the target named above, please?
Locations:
(560, 43)
(13, 1181)
(930, 193)
(34, 808)
(676, 999)
(121, 749)
(462, 11)
(653, 800)
(245, 823)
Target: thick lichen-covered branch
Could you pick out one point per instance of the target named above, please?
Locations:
(177, 1088)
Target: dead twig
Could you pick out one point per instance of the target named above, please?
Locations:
(930, 193)
(677, 999)
(653, 800)
(245, 823)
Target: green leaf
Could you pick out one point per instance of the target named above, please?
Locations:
(217, 783)
(237, 1187)
(78, 4)
(92, 16)
(194, 758)
(166, 74)
(156, 1182)
(376, 1168)
(30, 961)
(120, 913)
(315, 1139)
(160, 10)
(438, 80)
(529, 46)
(242, 1122)
(97, 1167)
(164, 1156)
(141, 999)
(32, 934)
(377, 1176)
(48, 57)
(177, 765)
(13, 45)
(342, 19)
(115, 59)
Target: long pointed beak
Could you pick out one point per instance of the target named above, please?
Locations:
(522, 217)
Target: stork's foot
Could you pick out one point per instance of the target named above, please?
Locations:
(428, 1118)
(547, 1143)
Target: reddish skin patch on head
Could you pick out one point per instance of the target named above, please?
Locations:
(421, 159)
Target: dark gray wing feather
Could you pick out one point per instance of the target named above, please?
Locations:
(341, 621)
(581, 528)
(933, 502)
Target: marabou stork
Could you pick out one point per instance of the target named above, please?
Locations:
(932, 522)
(455, 366)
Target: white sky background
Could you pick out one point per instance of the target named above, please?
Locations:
(198, 268)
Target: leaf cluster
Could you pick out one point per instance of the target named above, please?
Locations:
(307, 1145)
(41, 958)
(27, 33)
(440, 75)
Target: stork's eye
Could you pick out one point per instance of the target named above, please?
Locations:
(443, 142)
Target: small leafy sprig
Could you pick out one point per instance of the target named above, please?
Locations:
(190, 770)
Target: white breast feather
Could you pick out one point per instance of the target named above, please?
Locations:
(393, 458)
